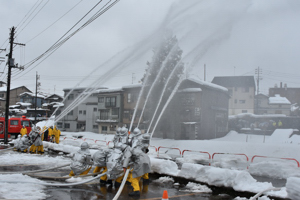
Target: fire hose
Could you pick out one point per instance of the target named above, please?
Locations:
(56, 184)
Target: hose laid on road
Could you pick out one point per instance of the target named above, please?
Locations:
(122, 185)
(56, 184)
(6, 149)
(260, 193)
(62, 178)
(35, 171)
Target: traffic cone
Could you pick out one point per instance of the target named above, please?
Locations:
(165, 195)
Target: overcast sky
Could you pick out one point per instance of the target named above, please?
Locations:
(230, 37)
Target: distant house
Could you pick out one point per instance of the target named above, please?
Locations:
(279, 105)
(29, 97)
(131, 94)
(14, 95)
(272, 105)
(261, 104)
(199, 110)
(80, 117)
(51, 102)
(109, 105)
(242, 92)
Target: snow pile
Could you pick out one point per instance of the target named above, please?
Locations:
(280, 136)
(33, 159)
(19, 189)
(161, 166)
(293, 187)
(195, 187)
(164, 179)
(238, 180)
(276, 169)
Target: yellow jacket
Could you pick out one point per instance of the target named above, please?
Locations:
(23, 131)
(56, 133)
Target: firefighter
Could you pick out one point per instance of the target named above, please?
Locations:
(141, 163)
(82, 162)
(99, 159)
(56, 133)
(136, 136)
(46, 133)
(50, 134)
(32, 135)
(38, 141)
(25, 143)
(17, 143)
(23, 131)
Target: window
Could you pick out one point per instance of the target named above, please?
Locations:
(104, 114)
(104, 128)
(95, 109)
(14, 122)
(2, 95)
(59, 125)
(126, 114)
(67, 125)
(95, 126)
(115, 111)
(101, 100)
(84, 112)
(25, 123)
(242, 101)
(245, 89)
(71, 112)
(110, 102)
(244, 111)
(80, 112)
(71, 97)
(129, 97)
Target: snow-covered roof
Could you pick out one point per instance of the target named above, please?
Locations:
(107, 120)
(132, 86)
(110, 90)
(208, 84)
(190, 90)
(279, 100)
(24, 104)
(32, 94)
(242, 115)
(14, 106)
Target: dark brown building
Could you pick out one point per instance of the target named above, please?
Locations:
(199, 110)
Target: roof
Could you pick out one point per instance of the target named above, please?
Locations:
(208, 84)
(234, 81)
(279, 100)
(32, 95)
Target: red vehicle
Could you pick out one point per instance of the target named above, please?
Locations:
(14, 125)
(2, 125)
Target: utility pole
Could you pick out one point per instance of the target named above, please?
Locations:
(37, 84)
(11, 64)
(258, 71)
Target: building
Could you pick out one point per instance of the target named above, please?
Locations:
(109, 104)
(35, 100)
(242, 93)
(199, 110)
(82, 117)
(14, 95)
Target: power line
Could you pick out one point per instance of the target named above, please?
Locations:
(54, 22)
(54, 47)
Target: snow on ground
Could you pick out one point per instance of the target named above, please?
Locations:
(226, 168)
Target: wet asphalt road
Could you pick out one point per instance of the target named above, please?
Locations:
(151, 191)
